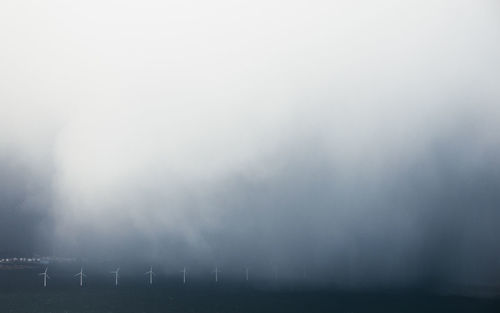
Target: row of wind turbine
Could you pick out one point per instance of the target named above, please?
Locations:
(116, 273)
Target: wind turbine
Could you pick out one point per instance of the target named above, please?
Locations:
(183, 275)
(116, 273)
(275, 272)
(151, 273)
(216, 271)
(45, 276)
(81, 276)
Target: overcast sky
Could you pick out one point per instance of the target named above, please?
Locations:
(359, 139)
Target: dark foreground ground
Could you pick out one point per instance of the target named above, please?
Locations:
(149, 300)
(21, 291)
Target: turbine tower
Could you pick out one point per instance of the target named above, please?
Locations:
(183, 275)
(81, 274)
(45, 276)
(116, 273)
(274, 272)
(151, 273)
(216, 271)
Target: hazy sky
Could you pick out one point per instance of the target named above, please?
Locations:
(359, 139)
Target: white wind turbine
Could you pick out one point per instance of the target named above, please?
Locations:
(151, 273)
(45, 276)
(116, 273)
(183, 275)
(81, 274)
(275, 272)
(216, 271)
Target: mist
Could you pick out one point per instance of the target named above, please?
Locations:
(357, 141)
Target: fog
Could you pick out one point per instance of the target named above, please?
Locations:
(357, 141)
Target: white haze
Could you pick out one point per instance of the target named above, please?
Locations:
(162, 124)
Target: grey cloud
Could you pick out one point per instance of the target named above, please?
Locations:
(355, 141)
